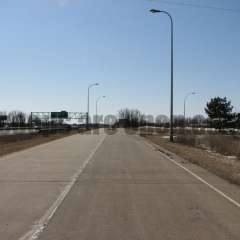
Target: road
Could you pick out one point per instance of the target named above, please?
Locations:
(106, 187)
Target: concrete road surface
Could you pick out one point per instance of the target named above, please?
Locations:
(115, 187)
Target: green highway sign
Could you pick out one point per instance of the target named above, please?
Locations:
(59, 115)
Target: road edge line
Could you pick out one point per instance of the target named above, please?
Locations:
(39, 227)
(234, 202)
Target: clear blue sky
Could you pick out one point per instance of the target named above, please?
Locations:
(50, 50)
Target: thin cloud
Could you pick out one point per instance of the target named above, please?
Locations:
(62, 3)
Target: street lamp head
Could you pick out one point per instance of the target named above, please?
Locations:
(155, 11)
(92, 85)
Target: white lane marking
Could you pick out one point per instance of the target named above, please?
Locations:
(36, 230)
(235, 203)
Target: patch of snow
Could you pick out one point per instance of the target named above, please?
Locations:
(165, 137)
(231, 157)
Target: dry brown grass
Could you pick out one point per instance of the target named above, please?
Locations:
(224, 167)
(228, 145)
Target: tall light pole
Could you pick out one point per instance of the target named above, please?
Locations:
(97, 107)
(185, 99)
(90, 86)
(171, 91)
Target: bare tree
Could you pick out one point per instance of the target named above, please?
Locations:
(17, 119)
(198, 120)
(2, 118)
(133, 117)
(178, 120)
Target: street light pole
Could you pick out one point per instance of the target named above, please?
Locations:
(90, 86)
(97, 107)
(172, 74)
(185, 99)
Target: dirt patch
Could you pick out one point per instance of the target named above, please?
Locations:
(225, 167)
(14, 143)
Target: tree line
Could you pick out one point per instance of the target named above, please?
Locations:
(219, 111)
(20, 119)
(14, 119)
